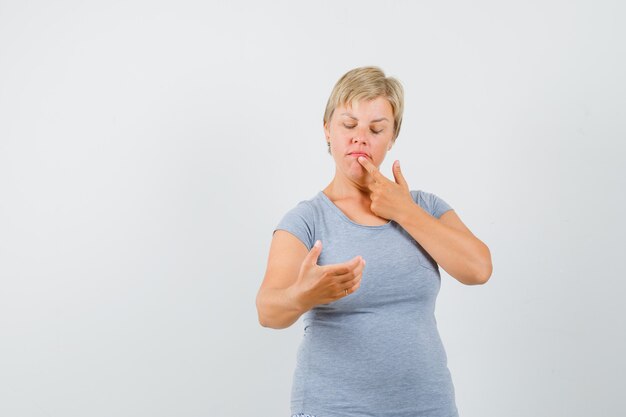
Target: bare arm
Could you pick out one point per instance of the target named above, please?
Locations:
(447, 239)
(294, 283)
(277, 305)
(451, 244)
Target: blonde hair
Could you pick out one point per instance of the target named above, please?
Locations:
(367, 83)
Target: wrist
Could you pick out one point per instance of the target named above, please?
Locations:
(296, 299)
(408, 212)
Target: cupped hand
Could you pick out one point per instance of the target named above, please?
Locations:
(327, 283)
(389, 198)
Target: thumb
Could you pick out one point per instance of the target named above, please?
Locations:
(397, 174)
(314, 253)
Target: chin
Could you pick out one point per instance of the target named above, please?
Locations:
(359, 176)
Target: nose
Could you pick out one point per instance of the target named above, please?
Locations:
(359, 137)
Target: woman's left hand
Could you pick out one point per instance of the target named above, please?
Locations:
(389, 198)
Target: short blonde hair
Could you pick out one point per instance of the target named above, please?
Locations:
(367, 83)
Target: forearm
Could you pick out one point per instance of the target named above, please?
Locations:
(461, 254)
(278, 308)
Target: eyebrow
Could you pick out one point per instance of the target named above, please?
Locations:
(376, 120)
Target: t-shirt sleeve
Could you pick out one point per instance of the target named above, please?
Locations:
(433, 204)
(299, 222)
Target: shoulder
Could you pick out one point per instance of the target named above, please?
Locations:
(430, 202)
(304, 210)
(300, 221)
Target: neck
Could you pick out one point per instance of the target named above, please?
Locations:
(342, 187)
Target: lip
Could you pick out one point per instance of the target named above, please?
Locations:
(357, 154)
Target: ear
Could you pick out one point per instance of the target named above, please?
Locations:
(326, 130)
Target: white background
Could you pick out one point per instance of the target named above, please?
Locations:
(148, 149)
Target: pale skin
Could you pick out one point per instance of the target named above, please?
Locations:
(294, 283)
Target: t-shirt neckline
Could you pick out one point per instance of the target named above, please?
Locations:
(341, 214)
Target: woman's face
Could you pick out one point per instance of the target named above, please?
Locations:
(367, 127)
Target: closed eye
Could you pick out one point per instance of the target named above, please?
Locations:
(373, 131)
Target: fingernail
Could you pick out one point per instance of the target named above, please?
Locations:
(317, 243)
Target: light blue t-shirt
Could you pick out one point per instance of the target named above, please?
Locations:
(376, 352)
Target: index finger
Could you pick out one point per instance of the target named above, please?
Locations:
(344, 267)
(371, 168)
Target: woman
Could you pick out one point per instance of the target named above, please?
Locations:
(360, 261)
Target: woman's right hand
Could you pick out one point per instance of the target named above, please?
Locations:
(324, 284)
